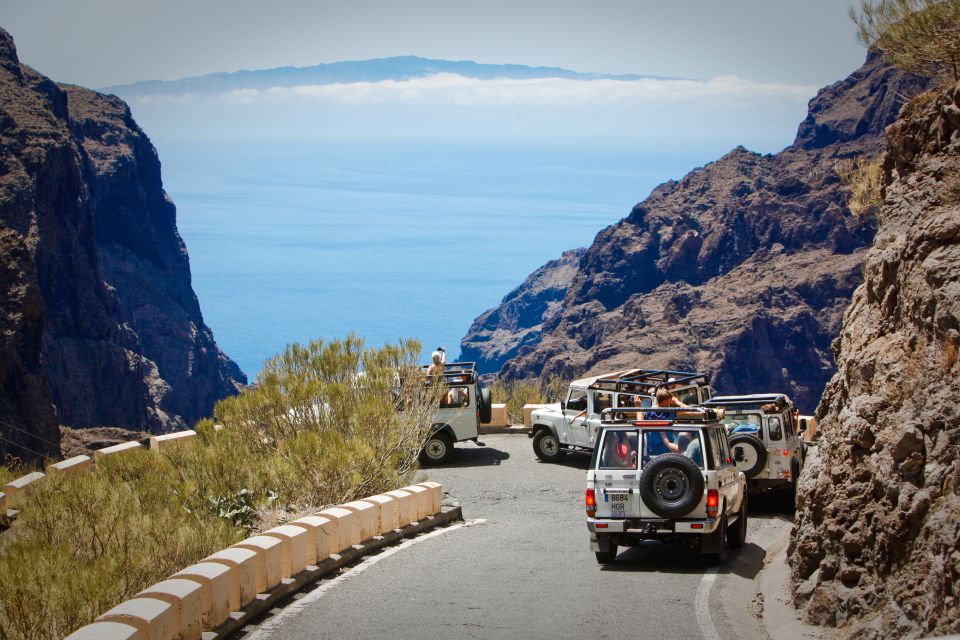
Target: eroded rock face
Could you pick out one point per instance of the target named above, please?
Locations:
(742, 269)
(877, 541)
(123, 341)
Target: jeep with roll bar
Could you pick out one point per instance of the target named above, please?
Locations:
(767, 444)
(463, 406)
(573, 424)
(671, 479)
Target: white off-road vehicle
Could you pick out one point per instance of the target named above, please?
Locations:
(573, 424)
(766, 443)
(462, 408)
(672, 480)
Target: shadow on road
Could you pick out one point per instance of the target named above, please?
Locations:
(477, 457)
(571, 461)
(657, 557)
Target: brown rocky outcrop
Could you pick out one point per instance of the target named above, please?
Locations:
(877, 542)
(104, 271)
(741, 269)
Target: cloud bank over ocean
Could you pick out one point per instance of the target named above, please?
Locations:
(458, 90)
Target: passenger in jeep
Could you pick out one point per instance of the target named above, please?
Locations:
(620, 452)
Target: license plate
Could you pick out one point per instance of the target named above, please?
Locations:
(619, 504)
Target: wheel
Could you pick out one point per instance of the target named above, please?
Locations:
(485, 405)
(719, 554)
(438, 449)
(749, 453)
(737, 536)
(671, 485)
(547, 447)
(608, 556)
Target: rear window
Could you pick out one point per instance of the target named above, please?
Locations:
(456, 397)
(618, 450)
(659, 441)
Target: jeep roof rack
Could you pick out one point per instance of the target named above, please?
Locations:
(456, 372)
(752, 399)
(681, 415)
(638, 380)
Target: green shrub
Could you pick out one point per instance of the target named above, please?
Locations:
(312, 432)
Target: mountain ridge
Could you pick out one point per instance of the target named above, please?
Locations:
(372, 70)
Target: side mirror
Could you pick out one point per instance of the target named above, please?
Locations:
(563, 405)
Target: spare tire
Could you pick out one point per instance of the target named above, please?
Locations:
(749, 453)
(485, 405)
(671, 485)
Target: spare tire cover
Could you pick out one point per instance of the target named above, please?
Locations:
(485, 405)
(749, 453)
(671, 485)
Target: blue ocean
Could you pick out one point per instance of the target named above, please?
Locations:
(302, 240)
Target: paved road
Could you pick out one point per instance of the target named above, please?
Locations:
(521, 567)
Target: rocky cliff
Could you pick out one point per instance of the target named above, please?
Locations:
(877, 542)
(105, 274)
(741, 269)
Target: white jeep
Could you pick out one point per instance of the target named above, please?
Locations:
(672, 480)
(766, 443)
(462, 408)
(573, 425)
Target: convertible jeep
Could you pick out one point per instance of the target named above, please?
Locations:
(462, 408)
(672, 480)
(573, 425)
(766, 443)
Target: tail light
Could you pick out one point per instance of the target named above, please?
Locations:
(713, 502)
(786, 453)
(591, 501)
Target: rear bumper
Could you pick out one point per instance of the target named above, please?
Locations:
(651, 528)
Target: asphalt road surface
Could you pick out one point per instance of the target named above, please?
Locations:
(521, 567)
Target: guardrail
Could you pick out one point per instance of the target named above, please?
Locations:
(224, 591)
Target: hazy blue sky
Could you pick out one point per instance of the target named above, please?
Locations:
(103, 42)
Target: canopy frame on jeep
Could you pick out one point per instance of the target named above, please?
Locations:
(455, 373)
(677, 415)
(649, 380)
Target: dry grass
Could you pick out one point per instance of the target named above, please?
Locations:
(517, 393)
(313, 432)
(864, 177)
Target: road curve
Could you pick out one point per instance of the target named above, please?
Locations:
(521, 567)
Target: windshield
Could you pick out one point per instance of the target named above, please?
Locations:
(741, 422)
(660, 441)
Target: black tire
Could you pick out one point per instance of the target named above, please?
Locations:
(671, 485)
(608, 556)
(546, 446)
(720, 555)
(753, 457)
(737, 537)
(438, 449)
(485, 405)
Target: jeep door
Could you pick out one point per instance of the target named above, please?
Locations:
(458, 407)
(599, 401)
(616, 474)
(575, 416)
(728, 475)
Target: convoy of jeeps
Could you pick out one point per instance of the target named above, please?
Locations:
(677, 474)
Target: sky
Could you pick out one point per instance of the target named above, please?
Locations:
(98, 43)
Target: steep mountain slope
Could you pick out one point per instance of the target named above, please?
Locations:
(741, 269)
(123, 341)
(877, 542)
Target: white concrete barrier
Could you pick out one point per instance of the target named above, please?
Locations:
(107, 631)
(271, 550)
(220, 593)
(251, 570)
(158, 443)
(498, 416)
(152, 617)
(71, 465)
(349, 532)
(406, 505)
(389, 512)
(16, 489)
(326, 532)
(115, 449)
(185, 596)
(422, 496)
(299, 548)
(436, 495)
(368, 518)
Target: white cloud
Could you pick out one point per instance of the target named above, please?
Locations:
(454, 89)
